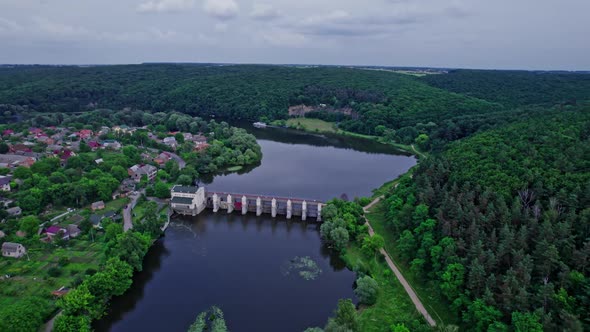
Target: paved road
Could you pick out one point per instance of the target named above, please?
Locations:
(180, 161)
(127, 220)
(417, 303)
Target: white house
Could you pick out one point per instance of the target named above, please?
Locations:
(5, 183)
(10, 249)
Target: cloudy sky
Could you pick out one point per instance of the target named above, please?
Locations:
(509, 34)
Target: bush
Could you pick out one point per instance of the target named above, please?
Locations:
(366, 290)
(63, 261)
(54, 272)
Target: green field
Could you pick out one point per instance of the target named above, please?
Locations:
(312, 125)
(35, 274)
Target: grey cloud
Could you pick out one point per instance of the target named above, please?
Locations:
(221, 9)
(265, 12)
(159, 6)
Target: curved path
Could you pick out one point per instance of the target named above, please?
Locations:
(417, 303)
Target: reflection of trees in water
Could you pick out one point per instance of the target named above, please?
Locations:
(121, 305)
(335, 261)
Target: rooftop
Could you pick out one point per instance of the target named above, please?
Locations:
(182, 200)
(185, 189)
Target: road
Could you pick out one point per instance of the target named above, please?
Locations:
(127, 220)
(407, 287)
(180, 161)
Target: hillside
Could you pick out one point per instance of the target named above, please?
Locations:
(515, 88)
(499, 221)
(242, 91)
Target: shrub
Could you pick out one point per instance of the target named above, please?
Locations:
(366, 290)
(54, 272)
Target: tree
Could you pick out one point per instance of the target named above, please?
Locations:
(184, 180)
(339, 237)
(30, 225)
(452, 280)
(366, 290)
(526, 322)
(399, 328)
(161, 190)
(130, 247)
(84, 148)
(345, 318)
(27, 314)
(4, 148)
(372, 244)
(68, 323)
(119, 172)
(22, 173)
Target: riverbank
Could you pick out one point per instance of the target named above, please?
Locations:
(318, 126)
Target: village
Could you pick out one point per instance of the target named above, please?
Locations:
(58, 242)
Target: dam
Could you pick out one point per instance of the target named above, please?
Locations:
(192, 200)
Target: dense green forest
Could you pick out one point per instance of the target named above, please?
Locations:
(250, 92)
(501, 223)
(515, 88)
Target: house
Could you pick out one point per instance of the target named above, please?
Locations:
(14, 211)
(95, 220)
(35, 131)
(2, 234)
(8, 132)
(5, 201)
(162, 159)
(85, 134)
(11, 249)
(54, 231)
(45, 139)
(111, 144)
(137, 172)
(97, 206)
(94, 145)
(73, 230)
(99, 161)
(5, 183)
(13, 161)
(170, 141)
(201, 146)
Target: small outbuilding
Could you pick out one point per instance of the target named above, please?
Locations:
(97, 206)
(11, 249)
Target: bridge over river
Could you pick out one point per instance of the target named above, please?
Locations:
(188, 200)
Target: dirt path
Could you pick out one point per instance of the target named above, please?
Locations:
(417, 303)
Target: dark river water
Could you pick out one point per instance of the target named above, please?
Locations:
(240, 263)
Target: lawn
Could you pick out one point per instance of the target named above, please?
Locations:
(116, 205)
(312, 125)
(429, 294)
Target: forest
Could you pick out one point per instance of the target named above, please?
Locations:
(500, 222)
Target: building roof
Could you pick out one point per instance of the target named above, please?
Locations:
(185, 189)
(10, 246)
(5, 180)
(97, 204)
(54, 229)
(73, 229)
(182, 200)
(95, 219)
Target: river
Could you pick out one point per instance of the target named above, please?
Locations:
(241, 263)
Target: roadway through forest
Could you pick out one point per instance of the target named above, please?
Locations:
(408, 288)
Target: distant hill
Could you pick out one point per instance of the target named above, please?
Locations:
(515, 88)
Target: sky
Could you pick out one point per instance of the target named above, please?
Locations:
(495, 34)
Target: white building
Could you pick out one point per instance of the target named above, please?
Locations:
(187, 199)
(10, 249)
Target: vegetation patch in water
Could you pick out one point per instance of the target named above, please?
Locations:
(305, 267)
(209, 320)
